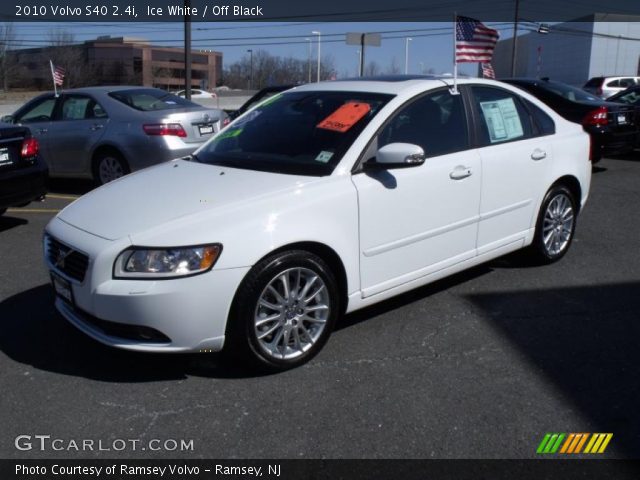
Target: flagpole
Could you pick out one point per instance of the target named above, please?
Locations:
(53, 77)
(455, 61)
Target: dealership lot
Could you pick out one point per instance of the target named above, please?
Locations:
(481, 365)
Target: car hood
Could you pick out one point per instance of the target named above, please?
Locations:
(169, 191)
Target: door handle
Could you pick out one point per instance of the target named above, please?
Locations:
(460, 172)
(538, 154)
(96, 126)
(42, 130)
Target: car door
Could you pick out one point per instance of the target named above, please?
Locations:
(38, 116)
(80, 123)
(514, 159)
(418, 220)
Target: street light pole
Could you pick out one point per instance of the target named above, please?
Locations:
(250, 69)
(315, 32)
(187, 51)
(406, 54)
(309, 61)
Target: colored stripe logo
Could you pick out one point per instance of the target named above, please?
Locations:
(573, 443)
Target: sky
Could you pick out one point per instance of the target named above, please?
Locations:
(430, 47)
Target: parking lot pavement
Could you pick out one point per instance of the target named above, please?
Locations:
(480, 365)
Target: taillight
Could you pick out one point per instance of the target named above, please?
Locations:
(597, 117)
(172, 129)
(30, 148)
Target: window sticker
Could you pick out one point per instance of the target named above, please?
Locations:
(502, 119)
(324, 156)
(271, 100)
(345, 117)
(229, 133)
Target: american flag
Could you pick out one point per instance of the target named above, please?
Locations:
(487, 71)
(474, 41)
(58, 74)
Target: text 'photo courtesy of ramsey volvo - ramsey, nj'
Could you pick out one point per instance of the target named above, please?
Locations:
(319, 201)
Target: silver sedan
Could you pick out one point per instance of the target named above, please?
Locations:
(106, 132)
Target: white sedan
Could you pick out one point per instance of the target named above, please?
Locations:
(320, 201)
(195, 93)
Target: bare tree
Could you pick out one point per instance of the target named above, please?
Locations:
(267, 69)
(7, 63)
(394, 67)
(69, 55)
(372, 69)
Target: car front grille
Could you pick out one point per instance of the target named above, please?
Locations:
(65, 259)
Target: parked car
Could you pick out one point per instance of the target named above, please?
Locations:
(630, 96)
(332, 197)
(105, 132)
(258, 97)
(612, 126)
(605, 87)
(23, 173)
(195, 93)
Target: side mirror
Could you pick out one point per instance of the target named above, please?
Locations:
(397, 155)
(7, 119)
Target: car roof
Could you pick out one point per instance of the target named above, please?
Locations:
(391, 84)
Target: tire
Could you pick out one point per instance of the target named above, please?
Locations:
(109, 166)
(273, 330)
(2, 210)
(555, 226)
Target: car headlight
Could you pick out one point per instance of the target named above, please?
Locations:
(151, 263)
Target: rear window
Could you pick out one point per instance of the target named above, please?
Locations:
(568, 92)
(151, 99)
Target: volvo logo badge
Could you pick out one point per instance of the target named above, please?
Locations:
(61, 257)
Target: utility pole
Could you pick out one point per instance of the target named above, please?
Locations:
(319, 35)
(309, 61)
(187, 50)
(250, 69)
(515, 40)
(406, 54)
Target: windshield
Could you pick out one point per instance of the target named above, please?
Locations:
(150, 99)
(302, 133)
(568, 92)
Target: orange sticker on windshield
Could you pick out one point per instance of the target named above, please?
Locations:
(345, 117)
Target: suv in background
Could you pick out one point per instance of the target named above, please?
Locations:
(604, 87)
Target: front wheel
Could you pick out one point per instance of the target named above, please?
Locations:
(284, 311)
(109, 166)
(556, 225)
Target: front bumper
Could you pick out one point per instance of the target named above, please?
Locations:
(176, 315)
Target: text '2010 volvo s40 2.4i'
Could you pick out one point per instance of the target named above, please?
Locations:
(320, 201)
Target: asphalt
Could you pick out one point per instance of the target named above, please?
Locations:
(480, 365)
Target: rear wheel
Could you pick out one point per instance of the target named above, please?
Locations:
(284, 311)
(556, 225)
(109, 166)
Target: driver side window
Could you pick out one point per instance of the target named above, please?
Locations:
(435, 122)
(41, 112)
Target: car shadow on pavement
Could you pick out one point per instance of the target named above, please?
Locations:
(32, 332)
(71, 186)
(7, 222)
(585, 341)
(411, 296)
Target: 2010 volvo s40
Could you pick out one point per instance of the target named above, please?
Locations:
(320, 201)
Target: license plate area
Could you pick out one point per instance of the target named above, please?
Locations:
(62, 287)
(5, 157)
(205, 129)
(622, 119)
